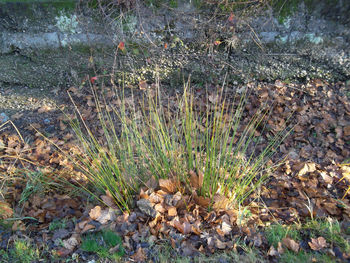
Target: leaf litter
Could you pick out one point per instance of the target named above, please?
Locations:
(311, 183)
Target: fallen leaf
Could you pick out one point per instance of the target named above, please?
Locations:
(318, 243)
(143, 85)
(172, 211)
(219, 244)
(290, 244)
(44, 109)
(196, 179)
(70, 243)
(5, 210)
(106, 215)
(280, 249)
(109, 201)
(87, 227)
(226, 228)
(307, 168)
(139, 256)
(95, 212)
(18, 225)
(63, 252)
(272, 252)
(221, 202)
(168, 185)
(347, 131)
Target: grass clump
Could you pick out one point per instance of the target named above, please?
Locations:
(57, 224)
(102, 243)
(173, 140)
(330, 229)
(275, 233)
(22, 252)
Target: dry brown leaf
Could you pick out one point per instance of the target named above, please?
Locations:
(272, 252)
(106, 215)
(178, 226)
(226, 228)
(82, 224)
(219, 244)
(221, 202)
(196, 230)
(71, 242)
(172, 211)
(280, 249)
(347, 131)
(109, 201)
(196, 179)
(114, 249)
(95, 212)
(63, 252)
(44, 109)
(187, 228)
(307, 168)
(18, 225)
(152, 183)
(143, 85)
(16, 116)
(5, 210)
(202, 201)
(159, 208)
(86, 228)
(62, 126)
(318, 243)
(168, 185)
(139, 256)
(331, 208)
(290, 244)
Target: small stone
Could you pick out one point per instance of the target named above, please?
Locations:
(47, 121)
(146, 207)
(3, 117)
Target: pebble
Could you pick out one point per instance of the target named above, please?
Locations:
(146, 207)
(3, 117)
(47, 121)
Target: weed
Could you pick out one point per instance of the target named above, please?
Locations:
(291, 257)
(101, 243)
(57, 224)
(275, 233)
(36, 183)
(328, 228)
(153, 141)
(23, 252)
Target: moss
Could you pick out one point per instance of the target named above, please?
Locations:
(101, 243)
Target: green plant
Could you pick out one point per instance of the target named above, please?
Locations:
(23, 251)
(290, 257)
(101, 243)
(57, 224)
(36, 183)
(275, 233)
(207, 143)
(151, 141)
(329, 229)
